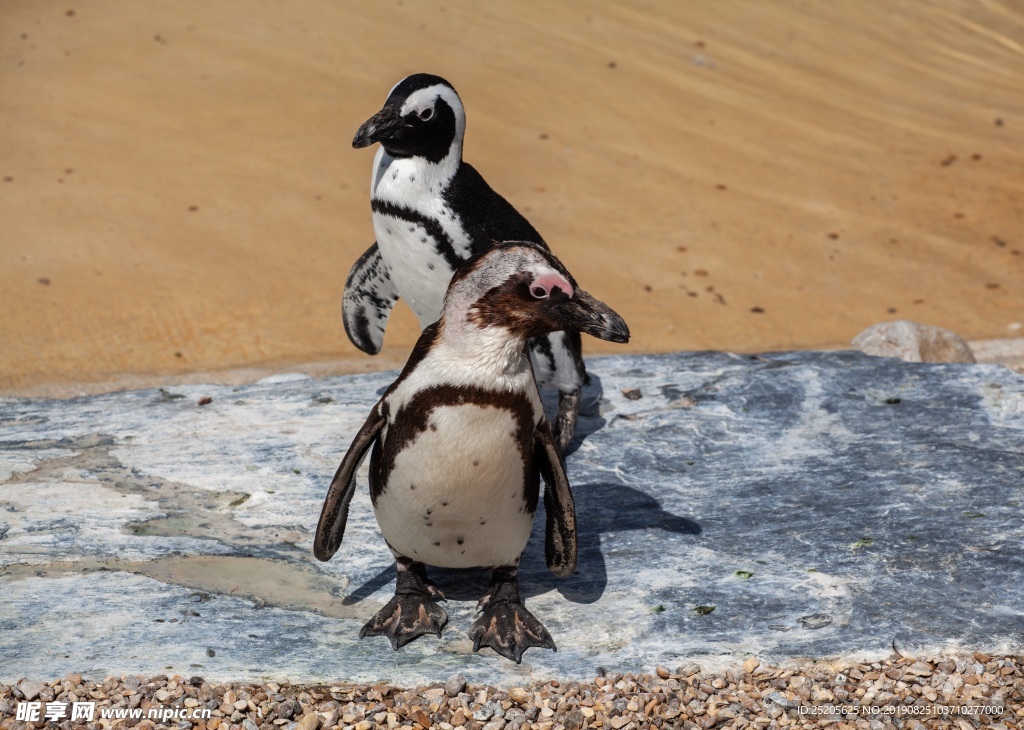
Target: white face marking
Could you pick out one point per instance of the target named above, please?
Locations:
(424, 99)
(466, 472)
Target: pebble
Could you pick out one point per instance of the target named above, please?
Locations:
(309, 721)
(520, 696)
(751, 664)
(661, 672)
(687, 698)
(455, 685)
(31, 690)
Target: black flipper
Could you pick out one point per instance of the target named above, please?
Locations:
(565, 421)
(369, 297)
(560, 548)
(331, 528)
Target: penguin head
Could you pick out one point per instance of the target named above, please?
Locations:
(522, 288)
(422, 117)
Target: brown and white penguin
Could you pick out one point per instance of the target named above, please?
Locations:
(460, 443)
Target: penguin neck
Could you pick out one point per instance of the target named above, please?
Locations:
(405, 179)
(493, 352)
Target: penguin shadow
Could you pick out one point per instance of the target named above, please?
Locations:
(601, 508)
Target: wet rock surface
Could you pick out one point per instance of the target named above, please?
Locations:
(786, 505)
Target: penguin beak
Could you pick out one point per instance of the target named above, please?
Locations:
(586, 314)
(380, 126)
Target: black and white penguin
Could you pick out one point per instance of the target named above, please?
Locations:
(431, 212)
(459, 444)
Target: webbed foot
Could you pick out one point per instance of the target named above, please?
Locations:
(412, 611)
(505, 625)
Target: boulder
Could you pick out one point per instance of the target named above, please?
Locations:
(913, 342)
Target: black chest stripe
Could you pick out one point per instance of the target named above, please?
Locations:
(443, 243)
(414, 418)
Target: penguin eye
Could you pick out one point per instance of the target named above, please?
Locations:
(426, 114)
(539, 292)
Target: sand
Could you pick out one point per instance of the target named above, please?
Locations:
(179, 197)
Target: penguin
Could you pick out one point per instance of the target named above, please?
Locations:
(431, 212)
(459, 443)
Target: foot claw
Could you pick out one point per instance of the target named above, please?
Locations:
(409, 614)
(510, 630)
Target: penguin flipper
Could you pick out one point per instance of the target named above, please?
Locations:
(560, 548)
(331, 528)
(369, 297)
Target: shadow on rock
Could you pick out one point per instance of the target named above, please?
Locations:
(601, 508)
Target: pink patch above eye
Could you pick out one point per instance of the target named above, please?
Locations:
(545, 283)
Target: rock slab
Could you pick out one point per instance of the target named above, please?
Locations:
(784, 505)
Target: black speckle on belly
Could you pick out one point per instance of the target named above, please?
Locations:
(461, 540)
(437, 543)
(444, 504)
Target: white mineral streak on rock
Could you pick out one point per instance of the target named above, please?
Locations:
(870, 494)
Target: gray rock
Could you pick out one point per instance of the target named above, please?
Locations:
(574, 720)
(484, 713)
(456, 683)
(883, 494)
(913, 342)
(289, 709)
(782, 701)
(31, 690)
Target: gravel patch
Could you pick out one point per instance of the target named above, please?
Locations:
(961, 692)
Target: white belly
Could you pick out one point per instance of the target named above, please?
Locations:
(455, 495)
(420, 274)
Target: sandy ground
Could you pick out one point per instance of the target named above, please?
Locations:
(178, 193)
